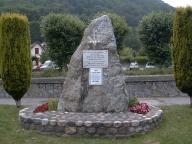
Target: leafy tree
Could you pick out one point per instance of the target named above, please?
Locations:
(119, 25)
(62, 33)
(35, 32)
(15, 55)
(132, 40)
(126, 55)
(44, 56)
(155, 33)
(182, 50)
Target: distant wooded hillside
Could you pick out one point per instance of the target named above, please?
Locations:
(132, 10)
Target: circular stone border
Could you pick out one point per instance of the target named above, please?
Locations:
(94, 124)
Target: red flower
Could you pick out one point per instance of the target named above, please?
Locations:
(41, 108)
(141, 108)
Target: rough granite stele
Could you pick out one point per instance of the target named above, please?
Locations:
(78, 95)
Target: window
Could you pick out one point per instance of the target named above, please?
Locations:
(36, 50)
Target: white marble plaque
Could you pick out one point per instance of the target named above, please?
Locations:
(95, 58)
(95, 76)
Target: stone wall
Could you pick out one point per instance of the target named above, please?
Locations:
(40, 88)
(140, 86)
(152, 86)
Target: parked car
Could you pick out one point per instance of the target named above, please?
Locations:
(133, 65)
(150, 65)
(48, 65)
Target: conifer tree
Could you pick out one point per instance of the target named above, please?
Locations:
(182, 50)
(15, 55)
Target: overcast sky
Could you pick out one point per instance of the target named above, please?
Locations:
(176, 3)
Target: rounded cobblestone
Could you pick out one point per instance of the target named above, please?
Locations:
(88, 123)
(44, 121)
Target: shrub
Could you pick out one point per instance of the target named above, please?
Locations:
(16, 64)
(50, 73)
(132, 101)
(182, 49)
(52, 104)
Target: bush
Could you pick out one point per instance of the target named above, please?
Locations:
(15, 55)
(52, 104)
(49, 73)
(132, 101)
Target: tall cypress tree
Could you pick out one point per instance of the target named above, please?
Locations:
(182, 50)
(15, 55)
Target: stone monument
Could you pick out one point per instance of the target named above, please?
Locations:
(94, 82)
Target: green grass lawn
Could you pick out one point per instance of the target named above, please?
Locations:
(176, 128)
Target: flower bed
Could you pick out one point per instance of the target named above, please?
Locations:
(140, 108)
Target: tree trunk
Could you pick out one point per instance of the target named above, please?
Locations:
(191, 101)
(18, 103)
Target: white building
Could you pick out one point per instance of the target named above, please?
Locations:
(36, 51)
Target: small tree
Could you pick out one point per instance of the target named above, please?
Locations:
(119, 25)
(15, 55)
(182, 50)
(155, 32)
(62, 33)
(44, 56)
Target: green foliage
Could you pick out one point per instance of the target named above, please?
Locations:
(126, 55)
(44, 56)
(152, 71)
(155, 33)
(132, 39)
(35, 31)
(119, 25)
(52, 104)
(142, 52)
(62, 33)
(141, 59)
(132, 101)
(15, 54)
(50, 73)
(182, 49)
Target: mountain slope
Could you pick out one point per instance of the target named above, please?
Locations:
(132, 10)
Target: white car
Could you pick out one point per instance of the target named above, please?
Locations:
(134, 65)
(150, 66)
(48, 65)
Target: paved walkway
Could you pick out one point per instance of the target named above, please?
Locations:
(153, 101)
